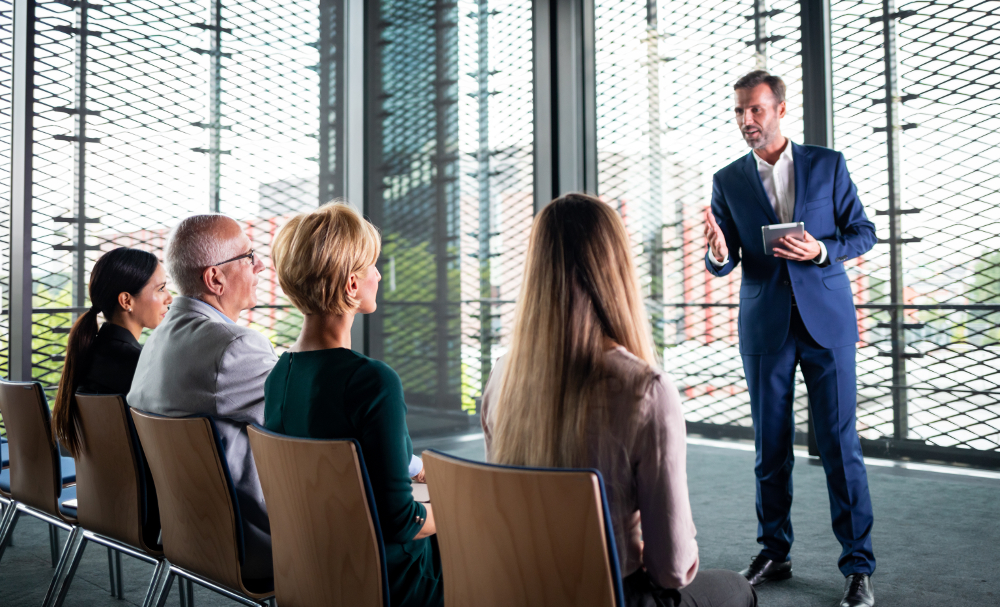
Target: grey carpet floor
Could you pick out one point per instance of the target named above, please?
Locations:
(936, 538)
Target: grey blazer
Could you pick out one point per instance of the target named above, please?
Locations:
(199, 361)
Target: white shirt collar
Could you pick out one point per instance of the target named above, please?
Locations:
(786, 154)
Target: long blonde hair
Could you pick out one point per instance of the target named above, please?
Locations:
(580, 290)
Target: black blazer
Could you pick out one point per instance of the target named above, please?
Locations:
(112, 361)
(108, 369)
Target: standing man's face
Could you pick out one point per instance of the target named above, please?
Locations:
(758, 114)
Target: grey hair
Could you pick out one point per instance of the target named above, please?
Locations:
(193, 246)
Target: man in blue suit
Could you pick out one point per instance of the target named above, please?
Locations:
(796, 308)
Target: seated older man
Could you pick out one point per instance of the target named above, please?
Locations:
(200, 361)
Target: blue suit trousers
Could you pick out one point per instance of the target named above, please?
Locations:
(832, 386)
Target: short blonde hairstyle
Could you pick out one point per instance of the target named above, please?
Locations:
(315, 253)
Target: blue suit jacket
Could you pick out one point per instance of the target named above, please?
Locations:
(826, 200)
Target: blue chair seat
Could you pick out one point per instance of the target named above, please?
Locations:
(68, 493)
(4, 458)
(68, 470)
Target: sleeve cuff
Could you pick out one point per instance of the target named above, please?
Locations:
(719, 264)
(416, 465)
(818, 261)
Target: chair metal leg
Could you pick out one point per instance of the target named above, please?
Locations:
(115, 573)
(69, 560)
(54, 544)
(159, 586)
(7, 522)
(186, 588)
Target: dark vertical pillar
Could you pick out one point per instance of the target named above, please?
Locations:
(760, 15)
(331, 87)
(22, 156)
(374, 205)
(80, 189)
(817, 72)
(215, 106)
(653, 237)
(445, 177)
(565, 98)
(486, 338)
(897, 313)
(817, 97)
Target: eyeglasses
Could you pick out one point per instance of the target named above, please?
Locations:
(243, 256)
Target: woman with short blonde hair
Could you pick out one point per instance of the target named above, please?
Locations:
(320, 388)
(580, 388)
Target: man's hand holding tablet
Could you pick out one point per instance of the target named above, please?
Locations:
(797, 249)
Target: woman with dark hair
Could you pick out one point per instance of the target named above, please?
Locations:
(580, 387)
(129, 287)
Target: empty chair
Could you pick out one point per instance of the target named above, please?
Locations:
(202, 531)
(325, 537)
(40, 480)
(522, 536)
(116, 506)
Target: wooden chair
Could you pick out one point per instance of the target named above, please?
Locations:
(39, 478)
(202, 531)
(116, 507)
(522, 536)
(326, 540)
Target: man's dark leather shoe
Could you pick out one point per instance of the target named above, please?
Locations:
(763, 569)
(858, 591)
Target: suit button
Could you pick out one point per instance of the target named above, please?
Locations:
(785, 282)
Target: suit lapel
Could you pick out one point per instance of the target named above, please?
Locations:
(802, 163)
(753, 180)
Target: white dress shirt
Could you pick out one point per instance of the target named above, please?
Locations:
(779, 183)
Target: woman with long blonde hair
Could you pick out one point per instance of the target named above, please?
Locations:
(580, 387)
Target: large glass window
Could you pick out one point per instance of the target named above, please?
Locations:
(150, 111)
(452, 194)
(665, 75)
(948, 202)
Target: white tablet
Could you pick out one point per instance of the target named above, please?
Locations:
(775, 232)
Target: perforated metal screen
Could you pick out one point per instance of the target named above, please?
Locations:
(147, 112)
(948, 205)
(665, 73)
(454, 190)
(664, 87)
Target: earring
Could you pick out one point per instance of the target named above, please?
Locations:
(130, 310)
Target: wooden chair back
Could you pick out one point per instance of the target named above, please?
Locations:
(522, 536)
(110, 480)
(35, 468)
(201, 528)
(326, 541)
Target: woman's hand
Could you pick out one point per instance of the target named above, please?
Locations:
(429, 528)
(419, 478)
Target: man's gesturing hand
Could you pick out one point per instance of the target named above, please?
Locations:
(798, 250)
(716, 240)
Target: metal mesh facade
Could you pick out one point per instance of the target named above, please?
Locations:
(947, 203)
(665, 125)
(147, 112)
(927, 295)
(453, 191)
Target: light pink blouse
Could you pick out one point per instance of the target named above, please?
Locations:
(651, 483)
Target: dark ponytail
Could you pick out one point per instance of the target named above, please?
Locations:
(121, 270)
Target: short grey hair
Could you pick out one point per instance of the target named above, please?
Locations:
(193, 246)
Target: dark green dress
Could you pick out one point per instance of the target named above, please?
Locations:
(339, 393)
